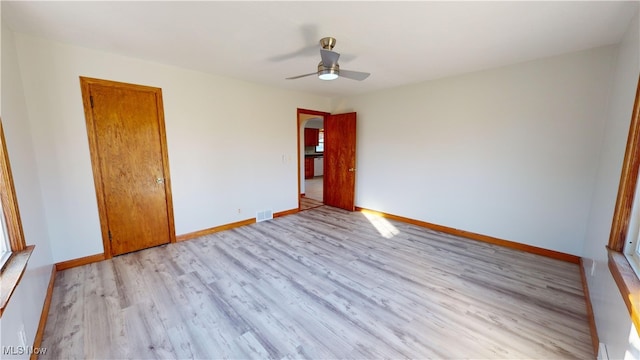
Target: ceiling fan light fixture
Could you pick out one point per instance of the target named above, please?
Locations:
(328, 68)
(327, 74)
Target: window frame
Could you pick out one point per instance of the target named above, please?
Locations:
(626, 278)
(632, 247)
(633, 255)
(5, 245)
(12, 271)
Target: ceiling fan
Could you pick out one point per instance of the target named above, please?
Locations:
(328, 68)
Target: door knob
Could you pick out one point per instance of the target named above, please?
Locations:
(159, 180)
(352, 169)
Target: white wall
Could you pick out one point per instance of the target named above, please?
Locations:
(25, 306)
(510, 153)
(315, 124)
(612, 318)
(232, 144)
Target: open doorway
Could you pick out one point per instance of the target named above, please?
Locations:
(311, 127)
(338, 158)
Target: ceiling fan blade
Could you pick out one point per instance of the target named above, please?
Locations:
(329, 58)
(301, 76)
(310, 36)
(305, 51)
(354, 75)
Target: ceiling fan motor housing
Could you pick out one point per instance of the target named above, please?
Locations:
(335, 67)
(328, 73)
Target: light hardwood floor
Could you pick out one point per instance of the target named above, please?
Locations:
(321, 284)
(307, 203)
(314, 188)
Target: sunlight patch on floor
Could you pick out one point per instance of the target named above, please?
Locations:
(384, 227)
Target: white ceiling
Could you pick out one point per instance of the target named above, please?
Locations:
(397, 42)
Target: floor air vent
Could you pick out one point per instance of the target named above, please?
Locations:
(264, 215)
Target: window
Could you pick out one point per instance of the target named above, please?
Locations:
(632, 252)
(320, 146)
(621, 266)
(631, 245)
(5, 247)
(14, 253)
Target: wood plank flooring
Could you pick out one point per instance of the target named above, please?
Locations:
(321, 284)
(307, 203)
(314, 188)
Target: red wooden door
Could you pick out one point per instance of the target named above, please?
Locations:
(340, 160)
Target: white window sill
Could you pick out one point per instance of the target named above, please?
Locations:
(11, 275)
(628, 283)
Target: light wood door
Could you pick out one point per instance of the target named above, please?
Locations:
(340, 160)
(125, 124)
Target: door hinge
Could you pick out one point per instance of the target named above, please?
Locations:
(110, 237)
(91, 100)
